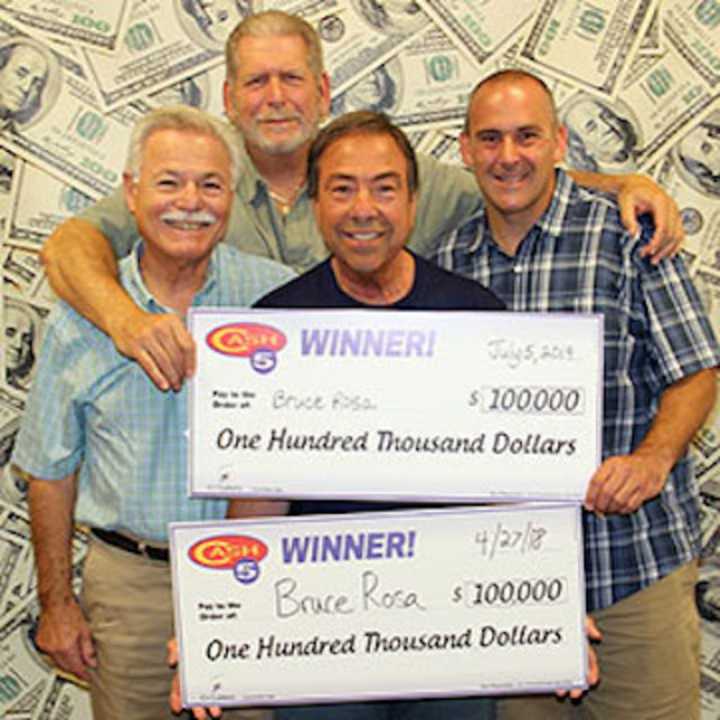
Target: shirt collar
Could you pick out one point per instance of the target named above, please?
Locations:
(251, 186)
(551, 223)
(132, 279)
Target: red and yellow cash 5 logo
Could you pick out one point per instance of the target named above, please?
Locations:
(223, 552)
(245, 339)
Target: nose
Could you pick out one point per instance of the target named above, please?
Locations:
(275, 93)
(25, 84)
(508, 150)
(189, 196)
(363, 207)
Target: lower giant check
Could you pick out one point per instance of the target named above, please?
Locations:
(361, 607)
(395, 405)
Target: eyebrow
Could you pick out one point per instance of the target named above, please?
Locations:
(390, 175)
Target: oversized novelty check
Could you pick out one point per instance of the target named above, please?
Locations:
(379, 605)
(395, 405)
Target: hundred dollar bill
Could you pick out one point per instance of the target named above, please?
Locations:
(480, 29)
(12, 487)
(443, 146)
(63, 700)
(690, 172)
(16, 568)
(165, 42)
(22, 270)
(427, 84)
(707, 281)
(633, 131)
(587, 45)
(23, 329)
(29, 222)
(83, 22)
(8, 163)
(357, 35)
(509, 58)
(651, 43)
(21, 667)
(56, 122)
(203, 91)
(694, 26)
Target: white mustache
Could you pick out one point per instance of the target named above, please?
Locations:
(203, 217)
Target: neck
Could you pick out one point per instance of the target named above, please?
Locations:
(173, 283)
(386, 286)
(510, 228)
(281, 172)
(507, 233)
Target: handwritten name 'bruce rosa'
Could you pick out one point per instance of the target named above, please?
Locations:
(499, 443)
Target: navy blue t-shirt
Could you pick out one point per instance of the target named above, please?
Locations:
(433, 289)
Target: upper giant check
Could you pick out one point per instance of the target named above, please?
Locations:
(311, 609)
(394, 405)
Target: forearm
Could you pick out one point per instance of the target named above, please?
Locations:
(682, 410)
(51, 517)
(599, 181)
(256, 508)
(82, 270)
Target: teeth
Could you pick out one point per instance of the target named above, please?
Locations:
(364, 236)
(186, 225)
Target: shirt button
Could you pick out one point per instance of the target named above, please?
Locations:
(517, 269)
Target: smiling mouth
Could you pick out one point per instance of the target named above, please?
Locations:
(187, 225)
(362, 236)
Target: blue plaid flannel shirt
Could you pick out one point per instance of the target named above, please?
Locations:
(579, 258)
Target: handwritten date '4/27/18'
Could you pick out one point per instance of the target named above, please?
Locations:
(501, 539)
(529, 400)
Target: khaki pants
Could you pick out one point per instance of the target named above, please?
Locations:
(127, 599)
(649, 660)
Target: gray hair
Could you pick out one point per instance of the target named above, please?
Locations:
(274, 23)
(182, 118)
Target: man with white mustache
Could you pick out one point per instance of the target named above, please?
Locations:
(98, 432)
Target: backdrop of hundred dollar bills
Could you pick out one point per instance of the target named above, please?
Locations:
(637, 83)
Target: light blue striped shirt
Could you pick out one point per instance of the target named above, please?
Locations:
(93, 409)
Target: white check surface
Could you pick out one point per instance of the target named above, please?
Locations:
(470, 601)
(405, 405)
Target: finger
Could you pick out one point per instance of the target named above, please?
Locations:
(656, 245)
(186, 346)
(175, 700)
(70, 662)
(593, 673)
(168, 359)
(87, 650)
(146, 362)
(591, 629)
(675, 239)
(629, 218)
(172, 652)
(604, 499)
(596, 487)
